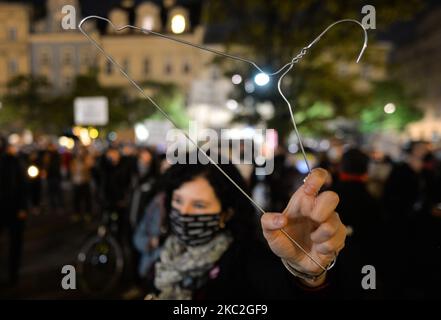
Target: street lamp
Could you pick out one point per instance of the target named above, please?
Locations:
(236, 79)
(389, 108)
(33, 171)
(261, 79)
(232, 104)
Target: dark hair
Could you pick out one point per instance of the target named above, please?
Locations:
(411, 145)
(3, 144)
(354, 161)
(243, 223)
(154, 164)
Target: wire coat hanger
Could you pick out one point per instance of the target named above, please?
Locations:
(285, 69)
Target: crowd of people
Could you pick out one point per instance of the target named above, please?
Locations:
(191, 234)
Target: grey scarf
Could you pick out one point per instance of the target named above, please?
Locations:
(180, 264)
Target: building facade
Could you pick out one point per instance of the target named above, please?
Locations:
(14, 42)
(44, 48)
(58, 54)
(146, 57)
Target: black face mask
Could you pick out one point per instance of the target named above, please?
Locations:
(194, 229)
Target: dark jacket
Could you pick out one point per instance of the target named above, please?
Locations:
(252, 271)
(406, 193)
(114, 183)
(362, 212)
(12, 188)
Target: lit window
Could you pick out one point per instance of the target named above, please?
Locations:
(44, 59)
(215, 74)
(12, 34)
(178, 24)
(67, 58)
(85, 59)
(126, 65)
(168, 68)
(343, 69)
(366, 72)
(146, 66)
(13, 67)
(148, 23)
(67, 82)
(186, 68)
(109, 68)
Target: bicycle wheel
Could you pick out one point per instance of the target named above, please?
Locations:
(100, 264)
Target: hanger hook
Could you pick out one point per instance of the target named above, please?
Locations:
(341, 21)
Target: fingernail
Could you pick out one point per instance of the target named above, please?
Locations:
(309, 189)
(278, 220)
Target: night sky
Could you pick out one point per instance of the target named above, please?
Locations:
(399, 33)
(101, 7)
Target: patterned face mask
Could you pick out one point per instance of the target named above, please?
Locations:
(194, 229)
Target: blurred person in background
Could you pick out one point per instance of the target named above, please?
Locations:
(411, 229)
(114, 186)
(13, 206)
(380, 167)
(330, 161)
(282, 182)
(81, 176)
(148, 236)
(52, 173)
(129, 157)
(164, 164)
(144, 177)
(143, 180)
(406, 190)
(360, 211)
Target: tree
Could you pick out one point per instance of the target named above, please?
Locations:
(25, 102)
(374, 118)
(30, 104)
(272, 32)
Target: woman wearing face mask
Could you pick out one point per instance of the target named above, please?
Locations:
(214, 251)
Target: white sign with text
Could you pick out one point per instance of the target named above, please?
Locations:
(92, 111)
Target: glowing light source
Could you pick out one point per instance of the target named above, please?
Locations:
(236, 79)
(147, 23)
(76, 131)
(249, 87)
(178, 24)
(93, 133)
(232, 104)
(112, 136)
(33, 171)
(261, 79)
(389, 108)
(293, 148)
(66, 142)
(84, 137)
(141, 132)
(14, 139)
(103, 259)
